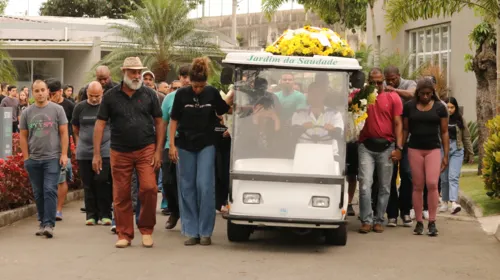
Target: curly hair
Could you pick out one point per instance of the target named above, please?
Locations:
(199, 69)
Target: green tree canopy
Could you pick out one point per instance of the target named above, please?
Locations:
(3, 5)
(94, 8)
(350, 13)
(162, 35)
(8, 72)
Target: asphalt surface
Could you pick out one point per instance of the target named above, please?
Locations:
(462, 251)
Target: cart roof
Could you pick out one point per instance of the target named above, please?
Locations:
(305, 62)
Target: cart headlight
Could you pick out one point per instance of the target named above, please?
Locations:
(251, 198)
(321, 201)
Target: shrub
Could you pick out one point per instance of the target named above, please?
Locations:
(15, 187)
(491, 160)
(474, 136)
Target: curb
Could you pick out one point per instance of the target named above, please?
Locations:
(469, 205)
(14, 215)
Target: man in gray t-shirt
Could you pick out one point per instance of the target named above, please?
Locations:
(11, 101)
(97, 187)
(44, 134)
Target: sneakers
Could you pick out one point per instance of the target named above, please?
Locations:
(113, 229)
(412, 214)
(419, 229)
(90, 222)
(122, 243)
(432, 229)
(48, 231)
(455, 208)
(147, 241)
(444, 207)
(407, 221)
(39, 232)
(206, 241)
(378, 228)
(59, 216)
(425, 214)
(392, 222)
(106, 222)
(171, 222)
(191, 241)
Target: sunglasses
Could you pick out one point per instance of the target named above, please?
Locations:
(379, 83)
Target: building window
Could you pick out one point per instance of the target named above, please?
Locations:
(430, 45)
(30, 69)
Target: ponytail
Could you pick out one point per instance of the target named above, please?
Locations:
(199, 69)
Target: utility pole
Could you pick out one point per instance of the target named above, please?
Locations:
(233, 29)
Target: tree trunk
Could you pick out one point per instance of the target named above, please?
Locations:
(484, 66)
(376, 49)
(233, 27)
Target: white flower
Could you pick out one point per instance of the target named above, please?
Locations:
(363, 102)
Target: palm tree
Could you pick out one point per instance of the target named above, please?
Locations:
(487, 52)
(162, 35)
(8, 73)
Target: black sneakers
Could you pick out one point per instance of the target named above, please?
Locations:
(350, 210)
(419, 229)
(432, 230)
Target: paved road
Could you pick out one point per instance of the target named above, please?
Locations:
(463, 251)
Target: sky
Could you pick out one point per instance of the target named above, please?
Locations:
(212, 7)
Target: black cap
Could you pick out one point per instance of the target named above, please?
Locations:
(53, 85)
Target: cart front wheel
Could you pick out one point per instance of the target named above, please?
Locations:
(337, 236)
(238, 233)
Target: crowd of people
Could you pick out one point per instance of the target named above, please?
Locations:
(138, 136)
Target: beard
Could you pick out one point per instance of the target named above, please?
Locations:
(132, 84)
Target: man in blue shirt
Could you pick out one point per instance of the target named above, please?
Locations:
(169, 168)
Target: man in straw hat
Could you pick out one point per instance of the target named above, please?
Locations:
(136, 136)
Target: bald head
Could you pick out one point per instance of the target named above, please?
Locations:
(94, 93)
(103, 75)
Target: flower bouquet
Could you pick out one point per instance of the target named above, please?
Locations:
(310, 41)
(358, 111)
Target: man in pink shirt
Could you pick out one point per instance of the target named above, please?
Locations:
(380, 144)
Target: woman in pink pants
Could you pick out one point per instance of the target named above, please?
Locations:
(425, 118)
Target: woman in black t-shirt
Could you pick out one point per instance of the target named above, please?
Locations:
(193, 116)
(425, 118)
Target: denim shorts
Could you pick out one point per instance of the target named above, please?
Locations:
(67, 175)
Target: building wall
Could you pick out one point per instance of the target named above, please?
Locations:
(462, 85)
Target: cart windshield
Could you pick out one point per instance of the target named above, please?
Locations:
(289, 122)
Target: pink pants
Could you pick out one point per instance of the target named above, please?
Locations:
(425, 168)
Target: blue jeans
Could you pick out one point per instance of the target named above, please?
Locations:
(368, 160)
(451, 175)
(196, 186)
(43, 175)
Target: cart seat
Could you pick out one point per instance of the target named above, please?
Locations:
(264, 165)
(315, 159)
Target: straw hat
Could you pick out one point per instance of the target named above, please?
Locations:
(133, 63)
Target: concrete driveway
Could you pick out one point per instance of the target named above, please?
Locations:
(462, 251)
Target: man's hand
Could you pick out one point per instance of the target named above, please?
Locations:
(308, 125)
(226, 134)
(63, 160)
(156, 162)
(390, 88)
(396, 156)
(173, 154)
(329, 127)
(97, 164)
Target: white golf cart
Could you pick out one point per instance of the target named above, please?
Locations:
(287, 165)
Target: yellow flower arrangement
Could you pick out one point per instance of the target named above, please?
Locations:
(310, 41)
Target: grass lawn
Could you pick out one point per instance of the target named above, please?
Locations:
(470, 166)
(473, 187)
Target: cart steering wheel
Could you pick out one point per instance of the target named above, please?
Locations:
(316, 138)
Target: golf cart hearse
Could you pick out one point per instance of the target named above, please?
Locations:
(288, 147)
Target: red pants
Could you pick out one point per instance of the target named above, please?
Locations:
(122, 166)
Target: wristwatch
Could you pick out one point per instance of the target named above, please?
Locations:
(399, 148)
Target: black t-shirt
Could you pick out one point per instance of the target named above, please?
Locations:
(68, 107)
(132, 119)
(197, 117)
(452, 129)
(1, 97)
(424, 127)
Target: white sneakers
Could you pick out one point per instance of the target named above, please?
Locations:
(425, 215)
(443, 207)
(455, 208)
